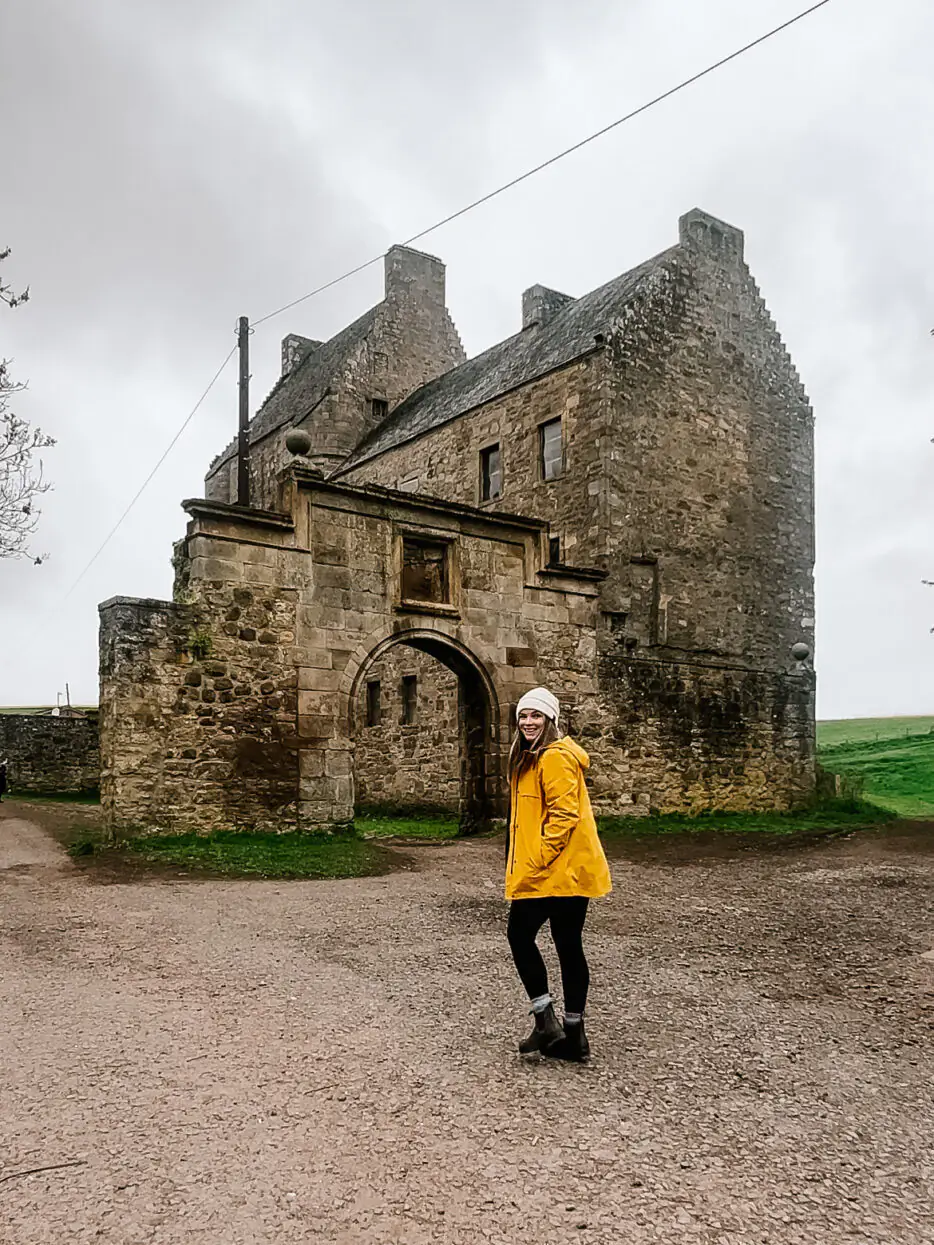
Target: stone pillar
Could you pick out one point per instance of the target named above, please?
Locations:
(326, 787)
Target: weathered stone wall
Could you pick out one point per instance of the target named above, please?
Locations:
(180, 723)
(709, 468)
(446, 462)
(678, 736)
(198, 707)
(50, 754)
(264, 729)
(416, 765)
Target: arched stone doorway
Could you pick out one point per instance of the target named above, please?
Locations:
(477, 720)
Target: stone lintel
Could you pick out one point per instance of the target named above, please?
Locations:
(199, 508)
(391, 502)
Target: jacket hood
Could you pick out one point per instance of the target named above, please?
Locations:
(576, 751)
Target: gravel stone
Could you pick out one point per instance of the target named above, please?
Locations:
(237, 1063)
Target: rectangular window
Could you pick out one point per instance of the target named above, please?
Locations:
(491, 473)
(379, 409)
(374, 706)
(552, 456)
(425, 571)
(554, 550)
(409, 699)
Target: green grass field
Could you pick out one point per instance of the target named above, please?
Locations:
(859, 730)
(892, 757)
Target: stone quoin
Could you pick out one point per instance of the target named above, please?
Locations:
(616, 502)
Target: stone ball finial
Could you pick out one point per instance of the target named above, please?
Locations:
(800, 651)
(297, 441)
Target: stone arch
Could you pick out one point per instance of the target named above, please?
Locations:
(479, 724)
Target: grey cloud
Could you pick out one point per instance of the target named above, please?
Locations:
(175, 164)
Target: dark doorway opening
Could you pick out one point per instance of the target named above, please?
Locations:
(433, 746)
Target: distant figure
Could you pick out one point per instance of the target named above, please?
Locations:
(3, 765)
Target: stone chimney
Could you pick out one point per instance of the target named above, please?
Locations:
(719, 241)
(413, 276)
(539, 305)
(294, 349)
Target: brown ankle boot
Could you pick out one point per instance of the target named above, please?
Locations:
(547, 1031)
(573, 1046)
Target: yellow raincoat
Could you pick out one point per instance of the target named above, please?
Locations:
(553, 845)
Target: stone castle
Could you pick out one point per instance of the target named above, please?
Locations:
(617, 502)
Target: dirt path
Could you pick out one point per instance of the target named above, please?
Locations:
(23, 844)
(247, 1063)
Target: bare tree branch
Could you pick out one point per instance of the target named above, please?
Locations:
(22, 480)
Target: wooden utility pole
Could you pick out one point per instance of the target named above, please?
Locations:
(243, 441)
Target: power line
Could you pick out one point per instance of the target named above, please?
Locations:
(550, 161)
(139, 492)
(423, 233)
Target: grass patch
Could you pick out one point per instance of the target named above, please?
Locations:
(372, 824)
(55, 797)
(896, 772)
(834, 814)
(244, 855)
(290, 855)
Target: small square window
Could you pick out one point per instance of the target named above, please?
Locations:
(379, 409)
(552, 453)
(425, 571)
(374, 706)
(409, 699)
(491, 473)
(554, 550)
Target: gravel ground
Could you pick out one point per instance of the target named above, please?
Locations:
(251, 1062)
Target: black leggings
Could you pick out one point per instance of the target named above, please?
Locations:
(567, 916)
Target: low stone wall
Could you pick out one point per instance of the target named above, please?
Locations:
(677, 736)
(198, 712)
(50, 755)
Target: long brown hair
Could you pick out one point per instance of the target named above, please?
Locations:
(522, 754)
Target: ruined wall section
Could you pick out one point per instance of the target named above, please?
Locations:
(679, 736)
(409, 764)
(446, 461)
(50, 755)
(198, 696)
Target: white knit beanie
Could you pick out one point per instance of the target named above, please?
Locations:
(541, 699)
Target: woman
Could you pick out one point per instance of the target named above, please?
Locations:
(554, 866)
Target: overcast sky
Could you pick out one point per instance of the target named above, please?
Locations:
(169, 165)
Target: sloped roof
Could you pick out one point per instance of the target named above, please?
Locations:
(294, 395)
(519, 359)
